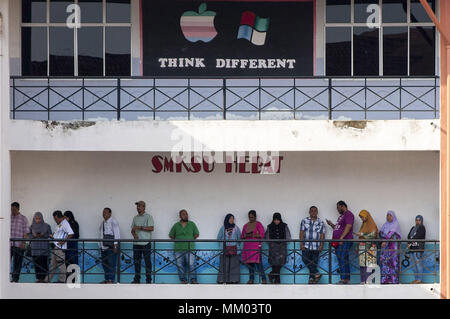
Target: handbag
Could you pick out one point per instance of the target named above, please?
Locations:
(335, 244)
(108, 244)
(230, 250)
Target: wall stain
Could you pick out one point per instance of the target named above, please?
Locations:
(51, 125)
(361, 125)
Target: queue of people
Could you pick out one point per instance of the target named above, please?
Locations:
(312, 233)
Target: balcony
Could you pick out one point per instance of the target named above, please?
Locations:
(231, 98)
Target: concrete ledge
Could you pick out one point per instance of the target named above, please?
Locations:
(155, 291)
(160, 136)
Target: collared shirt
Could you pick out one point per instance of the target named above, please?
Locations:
(63, 230)
(109, 227)
(19, 228)
(144, 220)
(312, 230)
(187, 232)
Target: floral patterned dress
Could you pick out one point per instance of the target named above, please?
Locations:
(368, 251)
(390, 259)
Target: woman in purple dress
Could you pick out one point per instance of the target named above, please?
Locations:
(390, 256)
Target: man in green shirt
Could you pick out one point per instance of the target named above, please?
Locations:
(142, 228)
(185, 259)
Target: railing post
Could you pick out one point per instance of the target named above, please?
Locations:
(189, 262)
(224, 244)
(295, 268)
(330, 100)
(189, 99)
(48, 98)
(330, 271)
(154, 260)
(82, 272)
(224, 97)
(400, 99)
(259, 100)
(82, 98)
(14, 99)
(118, 262)
(118, 98)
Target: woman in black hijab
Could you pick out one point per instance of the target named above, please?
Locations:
(277, 250)
(72, 246)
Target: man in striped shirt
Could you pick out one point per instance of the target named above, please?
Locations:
(314, 229)
(19, 229)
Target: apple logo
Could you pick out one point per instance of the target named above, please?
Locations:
(198, 26)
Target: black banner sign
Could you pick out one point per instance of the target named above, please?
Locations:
(227, 38)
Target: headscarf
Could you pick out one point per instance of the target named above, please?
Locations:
(277, 231)
(393, 226)
(226, 222)
(368, 226)
(38, 227)
(415, 228)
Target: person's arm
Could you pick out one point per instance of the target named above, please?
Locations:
(244, 230)
(346, 231)
(172, 232)
(26, 231)
(288, 233)
(322, 237)
(196, 232)
(150, 225)
(116, 232)
(133, 230)
(260, 230)
(221, 234)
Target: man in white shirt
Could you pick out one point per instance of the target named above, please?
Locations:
(63, 231)
(109, 229)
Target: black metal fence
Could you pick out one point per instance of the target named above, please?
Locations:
(205, 98)
(210, 258)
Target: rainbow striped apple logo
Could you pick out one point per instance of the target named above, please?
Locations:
(198, 26)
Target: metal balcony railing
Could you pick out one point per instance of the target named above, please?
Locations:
(230, 98)
(208, 253)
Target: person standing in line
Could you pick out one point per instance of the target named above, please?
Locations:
(72, 246)
(58, 259)
(109, 229)
(277, 250)
(19, 229)
(39, 229)
(416, 249)
(367, 251)
(185, 258)
(250, 252)
(229, 269)
(342, 231)
(312, 228)
(389, 255)
(142, 228)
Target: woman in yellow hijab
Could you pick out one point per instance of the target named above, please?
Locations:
(367, 250)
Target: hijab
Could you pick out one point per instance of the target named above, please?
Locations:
(416, 227)
(368, 226)
(41, 227)
(277, 231)
(393, 226)
(227, 227)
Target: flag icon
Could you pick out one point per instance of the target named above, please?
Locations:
(253, 28)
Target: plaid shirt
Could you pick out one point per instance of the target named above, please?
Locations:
(19, 228)
(312, 230)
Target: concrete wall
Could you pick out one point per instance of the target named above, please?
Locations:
(86, 182)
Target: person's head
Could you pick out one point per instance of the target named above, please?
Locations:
(38, 218)
(107, 213)
(252, 216)
(15, 207)
(231, 219)
(389, 217)
(58, 216)
(276, 218)
(69, 216)
(313, 212)
(140, 207)
(184, 215)
(419, 220)
(341, 207)
(364, 215)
